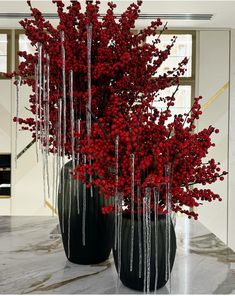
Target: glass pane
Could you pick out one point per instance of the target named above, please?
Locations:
(182, 100)
(3, 64)
(3, 44)
(172, 62)
(24, 45)
(181, 49)
(3, 53)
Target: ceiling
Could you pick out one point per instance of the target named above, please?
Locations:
(223, 12)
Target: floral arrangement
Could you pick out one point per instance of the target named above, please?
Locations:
(130, 141)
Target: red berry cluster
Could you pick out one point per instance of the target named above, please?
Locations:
(122, 67)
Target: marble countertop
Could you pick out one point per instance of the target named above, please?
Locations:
(32, 261)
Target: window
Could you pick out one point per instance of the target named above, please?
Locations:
(183, 47)
(22, 44)
(5, 52)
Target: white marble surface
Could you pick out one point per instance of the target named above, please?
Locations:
(33, 263)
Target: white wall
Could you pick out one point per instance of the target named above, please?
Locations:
(27, 189)
(5, 133)
(213, 73)
(5, 116)
(27, 196)
(223, 14)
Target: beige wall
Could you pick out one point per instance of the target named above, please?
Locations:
(213, 73)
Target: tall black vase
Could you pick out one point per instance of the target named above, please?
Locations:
(98, 227)
(131, 278)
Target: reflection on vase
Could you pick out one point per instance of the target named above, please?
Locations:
(98, 227)
(132, 279)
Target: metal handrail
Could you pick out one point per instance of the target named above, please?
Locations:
(25, 148)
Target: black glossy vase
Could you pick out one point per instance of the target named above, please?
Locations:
(131, 279)
(98, 227)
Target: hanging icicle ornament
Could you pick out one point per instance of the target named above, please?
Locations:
(88, 112)
(72, 112)
(47, 103)
(84, 208)
(156, 201)
(45, 127)
(17, 83)
(77, 163)
(47, 121)
(119, 232)
(54, 184)
(40, 91)
(44, 171)
(59, 152)
(116, 192)
(42, 127)
(69, 217)
(72, 129)
(168, 221)
(132, 159)
(139, 226)
(62, 37)
(147, 237)
(36, 69)
(71, 183)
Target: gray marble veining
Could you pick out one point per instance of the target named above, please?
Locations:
(32, 261)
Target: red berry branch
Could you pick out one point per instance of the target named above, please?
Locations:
(123, 90)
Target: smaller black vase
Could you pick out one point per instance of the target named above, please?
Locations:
(98, 227)
(131, 278)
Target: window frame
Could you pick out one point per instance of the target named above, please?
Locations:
(18, 32)
(9, 52)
